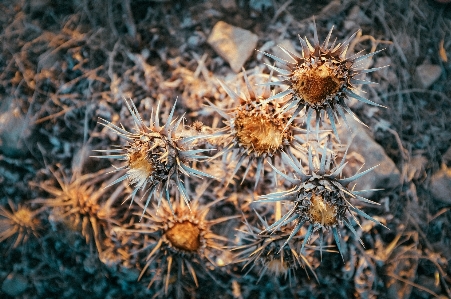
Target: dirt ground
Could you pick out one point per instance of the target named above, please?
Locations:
(66, 63)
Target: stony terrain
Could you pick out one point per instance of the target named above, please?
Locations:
(64, 64)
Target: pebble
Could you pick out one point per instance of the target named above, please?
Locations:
(232, 43)
(13, 128)
(440, 186)
(229, 5)
(14, 284)
(426, 74)
(386, 175)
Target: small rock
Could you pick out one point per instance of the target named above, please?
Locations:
(350, 25)
(229, 5)
(427, 74)
(232, 43)
(441, 184)
(194, 41)
(386, 175)
(14, 284)
(13, 128)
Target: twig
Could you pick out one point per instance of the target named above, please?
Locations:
(413, 284)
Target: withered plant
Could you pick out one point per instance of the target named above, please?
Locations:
(321, 79)
(155, 155)
(18, 224)
(319, 197)
(82, 203)
(181, 242)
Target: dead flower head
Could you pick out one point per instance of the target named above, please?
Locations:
(18, 223)
(154, 155)
(81, 204)
(275, 253)
(182, 240)
(322, 78)
(319, 197)
(255, 128)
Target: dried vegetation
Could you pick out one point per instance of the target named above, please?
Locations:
(64, 234)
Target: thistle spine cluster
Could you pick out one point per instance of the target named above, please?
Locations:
(262, 128)
(265, 135)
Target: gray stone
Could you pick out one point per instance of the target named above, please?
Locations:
(426, 74)
(385, 176)
(14, 284)
(232, 43)
(13, 129)
(440, 186)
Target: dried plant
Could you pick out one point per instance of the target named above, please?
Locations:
(83, 204)
(18, 224)
(181, 239)
(319, 197)
(256, 130)
(321, 79)
(155, 155)
(275, 253)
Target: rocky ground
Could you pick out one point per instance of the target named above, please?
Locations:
(64, 64)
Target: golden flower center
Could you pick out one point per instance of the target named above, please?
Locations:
(138, 161)
(259, 133)
(184, 236)
(81, 199)
(315, 84)
(24, 217)
(322, 212)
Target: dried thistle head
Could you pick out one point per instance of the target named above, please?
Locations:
(256, 129)
(319, 197)
(154, 155)
(322, 78)
(80, 201)
(18, 223)
(275, 253)
(182, 239)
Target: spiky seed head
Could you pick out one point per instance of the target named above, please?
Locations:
(155, 155)
(150, 155)
(277, 257)
(19, 223)
(321, 78)
(275, 253)
(320, 197)
(256, 128)
(183, 235)
(81, 203)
